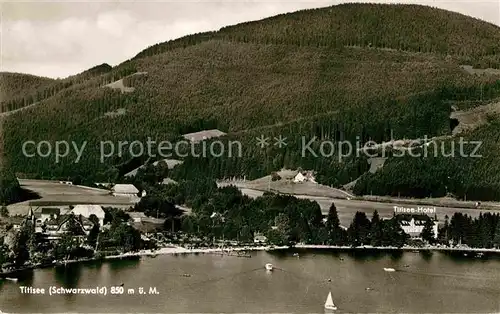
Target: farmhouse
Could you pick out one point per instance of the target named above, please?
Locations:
(304, 176)
(88, 210)
(126, 190)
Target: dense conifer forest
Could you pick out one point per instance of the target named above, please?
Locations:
(353, 72)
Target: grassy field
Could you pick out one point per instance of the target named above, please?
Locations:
(286, 186)
(55, 194)
(347, 208)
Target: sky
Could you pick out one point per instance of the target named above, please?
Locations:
(58, 39)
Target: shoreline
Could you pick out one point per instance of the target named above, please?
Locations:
(181, 250)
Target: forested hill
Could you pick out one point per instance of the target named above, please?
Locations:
(373, 72)
(14, 85)
(403, 27)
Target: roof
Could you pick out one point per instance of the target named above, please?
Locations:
(87, 210)
(418, 218)
(168, 181)
(125, 189)
(171, 163)
(51, 211)
(203, 135)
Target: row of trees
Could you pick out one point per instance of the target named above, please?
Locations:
(365, 25)
(227, 213)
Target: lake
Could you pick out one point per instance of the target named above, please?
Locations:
(431, 282)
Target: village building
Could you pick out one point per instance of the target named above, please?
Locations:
(89, 210)
(137, 216)
(126, 190)
(414, 224)
(259, 238)
(57, 226)
(304, 176)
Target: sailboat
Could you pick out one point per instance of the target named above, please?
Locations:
(329, 303)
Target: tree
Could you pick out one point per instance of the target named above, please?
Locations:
(23, 244)
(427, 233)
(93, 235)
(280, 234)
(4, 212)
(10, 190)
(496, 239)
(66, 245)
(359, 230)
(392, 233)
(93, 218)
(333, 228)
(187, 224)
(376, 230)
(4, 255)
(275, 176)
(126, 237)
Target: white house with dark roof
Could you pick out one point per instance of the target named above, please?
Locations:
(88, 210)
(304, 176)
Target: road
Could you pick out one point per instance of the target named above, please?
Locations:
(347, 208)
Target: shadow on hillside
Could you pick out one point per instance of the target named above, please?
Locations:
(26, 195)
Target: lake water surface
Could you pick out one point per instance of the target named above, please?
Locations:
(435, 283)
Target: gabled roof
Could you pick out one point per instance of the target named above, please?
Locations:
(80, 220)
(87, 210)
(125, 189)
(203, 135)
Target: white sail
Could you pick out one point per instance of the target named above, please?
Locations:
(329, 302)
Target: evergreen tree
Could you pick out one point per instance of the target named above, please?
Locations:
(376, 230)
(427, 233)
(333, 228)
(359, 230)
(496, 239)
(4, 212)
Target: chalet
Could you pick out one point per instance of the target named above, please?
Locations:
(89, 210)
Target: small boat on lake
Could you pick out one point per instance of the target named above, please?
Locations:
(329, 305)
(389, 269)
(269, 266)
(11, 279)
